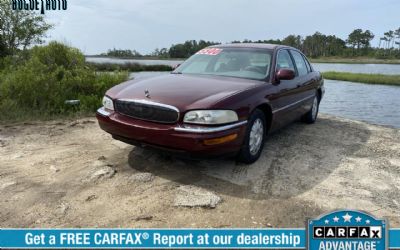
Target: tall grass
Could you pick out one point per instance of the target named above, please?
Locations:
(132, 67)
(36, 85)
(363, 78)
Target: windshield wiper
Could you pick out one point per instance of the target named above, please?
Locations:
(176, 73)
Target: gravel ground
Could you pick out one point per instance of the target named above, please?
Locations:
(72, 174)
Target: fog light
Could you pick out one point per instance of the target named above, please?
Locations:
(220, 140)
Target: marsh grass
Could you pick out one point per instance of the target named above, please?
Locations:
(131, 67)
(363, 78)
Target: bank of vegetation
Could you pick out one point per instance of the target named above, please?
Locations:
(363, 78)
(36, 82)
(39, 84)
(131, 67)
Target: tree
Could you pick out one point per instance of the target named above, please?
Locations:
(313, 45)
(123, 53)
(334, 46)
(366, 39)
(360, 39)
(293, 41)
(188, 48)
(390, 35)
(354, 39)
(161, 53)
(20, 28)
(397, 34)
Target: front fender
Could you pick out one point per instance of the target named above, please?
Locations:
(245, 102)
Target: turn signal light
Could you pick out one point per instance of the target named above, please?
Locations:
(220, 140)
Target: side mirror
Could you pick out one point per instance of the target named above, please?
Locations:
(284, 74)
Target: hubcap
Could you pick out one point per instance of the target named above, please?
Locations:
(315, 108)
(256, 137)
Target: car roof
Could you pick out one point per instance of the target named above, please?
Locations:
(252, 45)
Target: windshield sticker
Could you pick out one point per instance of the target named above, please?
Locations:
(211, 52)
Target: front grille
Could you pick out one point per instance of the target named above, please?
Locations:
(147, 110)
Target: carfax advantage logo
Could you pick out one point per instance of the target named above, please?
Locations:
(347, 230)
(39, 5)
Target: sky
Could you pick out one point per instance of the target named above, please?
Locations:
(94, 26)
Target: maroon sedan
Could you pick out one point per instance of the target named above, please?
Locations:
(223, 100)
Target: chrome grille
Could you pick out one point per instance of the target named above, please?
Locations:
(147, 110)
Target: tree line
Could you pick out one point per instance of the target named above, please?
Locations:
(122, 53)
(317, 45)
(182, 50)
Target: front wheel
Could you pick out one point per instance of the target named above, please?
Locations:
(312, 115)
(254, 139)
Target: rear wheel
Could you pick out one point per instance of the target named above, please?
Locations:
(254, 138)
(312, 115)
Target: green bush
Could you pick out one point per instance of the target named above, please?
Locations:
(39, 84)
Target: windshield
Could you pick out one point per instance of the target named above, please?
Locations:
(232, 62)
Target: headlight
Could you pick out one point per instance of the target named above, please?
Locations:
(108, 103)
(210, 117)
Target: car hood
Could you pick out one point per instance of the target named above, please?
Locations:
(182, 91)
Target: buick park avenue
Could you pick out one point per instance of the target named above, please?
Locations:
(224, 100)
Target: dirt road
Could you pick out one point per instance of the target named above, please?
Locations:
(72, 174)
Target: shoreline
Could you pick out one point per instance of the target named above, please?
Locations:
(377, 79)
(347, 119)
(336, 60)
(355, 60)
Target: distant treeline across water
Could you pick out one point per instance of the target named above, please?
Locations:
(358, 43)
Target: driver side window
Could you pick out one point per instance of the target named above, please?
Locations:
(284, 61)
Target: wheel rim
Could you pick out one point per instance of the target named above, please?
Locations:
(256, 136)
(315, 108)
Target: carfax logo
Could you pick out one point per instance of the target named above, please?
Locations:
(42, 5)
(347, 230)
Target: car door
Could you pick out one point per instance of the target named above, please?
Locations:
(287, 94)
(306, 82)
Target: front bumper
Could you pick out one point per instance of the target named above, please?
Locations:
(172, 137)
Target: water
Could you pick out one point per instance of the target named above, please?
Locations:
(376, 104)
(146, 74)
(388, 69)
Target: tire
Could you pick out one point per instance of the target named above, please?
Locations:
(254, 139)
(311, 116)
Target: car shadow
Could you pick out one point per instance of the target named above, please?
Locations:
(294, 160)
